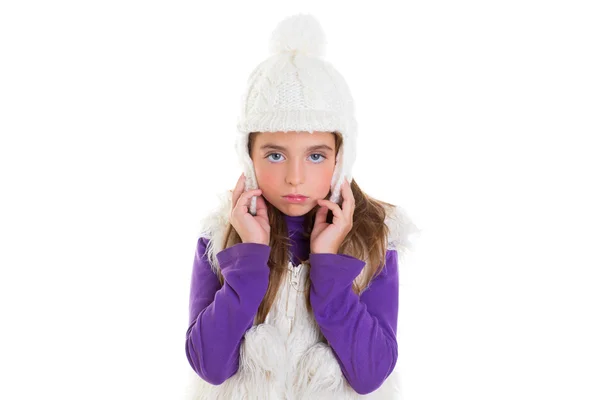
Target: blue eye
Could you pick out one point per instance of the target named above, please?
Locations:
(320, 155)
(273, 154)
(314, 154)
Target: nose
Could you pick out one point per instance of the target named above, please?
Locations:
(295, 173)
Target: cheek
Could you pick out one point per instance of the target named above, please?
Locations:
(265, 177)
(324, 181)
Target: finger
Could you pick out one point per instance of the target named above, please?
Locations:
(321, 215)
(237, 190)
(244, 200)
(337, 211)
(238, 186)
(261, 206)
(348, 200)
(247, 196)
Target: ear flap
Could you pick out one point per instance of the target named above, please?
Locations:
(337, 178)
(241, 147)
(251, 184)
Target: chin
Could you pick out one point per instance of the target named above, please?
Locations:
(295, 210)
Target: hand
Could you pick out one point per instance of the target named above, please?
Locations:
(325, 237)
(252, 229)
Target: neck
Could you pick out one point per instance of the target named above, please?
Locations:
(294, 222)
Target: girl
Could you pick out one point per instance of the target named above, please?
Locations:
(294, 288)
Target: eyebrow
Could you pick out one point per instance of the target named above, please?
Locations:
(270, 146)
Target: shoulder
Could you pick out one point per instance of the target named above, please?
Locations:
(217, 218)
(212, 227)
(402, 230)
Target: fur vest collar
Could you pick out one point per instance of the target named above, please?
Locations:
(287, 357)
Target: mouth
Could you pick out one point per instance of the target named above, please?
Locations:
(295, 198)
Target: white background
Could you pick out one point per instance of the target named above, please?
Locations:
(480, 118)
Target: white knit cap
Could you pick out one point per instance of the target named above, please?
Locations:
(296, 90)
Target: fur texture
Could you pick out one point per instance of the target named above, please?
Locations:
(403, 232)
(290, 359)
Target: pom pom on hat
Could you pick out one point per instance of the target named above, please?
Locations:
(300, 33)
(296, 89)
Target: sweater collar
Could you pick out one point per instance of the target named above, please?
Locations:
(294, 223)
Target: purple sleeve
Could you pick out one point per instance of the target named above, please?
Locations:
(360, 329)
(220, 316)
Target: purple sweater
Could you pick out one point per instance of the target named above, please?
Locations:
(360, 329)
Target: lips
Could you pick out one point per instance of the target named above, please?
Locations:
(296, 196)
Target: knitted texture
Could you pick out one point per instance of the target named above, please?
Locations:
(293, 90)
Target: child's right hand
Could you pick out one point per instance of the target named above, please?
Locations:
(252, 229)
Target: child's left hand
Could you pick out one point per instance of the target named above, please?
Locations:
(326, 237)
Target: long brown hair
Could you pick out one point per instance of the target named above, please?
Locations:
(366, 241)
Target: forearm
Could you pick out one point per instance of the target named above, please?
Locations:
(364, 344)
(213, 339)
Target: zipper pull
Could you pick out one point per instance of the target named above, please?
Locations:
(296, 276)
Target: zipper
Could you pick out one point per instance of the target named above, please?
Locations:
(292, 294)
(296, 276)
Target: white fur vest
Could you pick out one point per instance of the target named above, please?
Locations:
(287, 356)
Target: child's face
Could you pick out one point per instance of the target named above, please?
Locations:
(295, 168)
